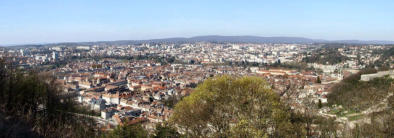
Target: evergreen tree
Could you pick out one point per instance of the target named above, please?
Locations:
(319, 105)
(318, 79)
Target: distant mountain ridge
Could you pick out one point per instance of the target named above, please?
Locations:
(220, 39)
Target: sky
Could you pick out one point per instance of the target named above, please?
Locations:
(49, 21)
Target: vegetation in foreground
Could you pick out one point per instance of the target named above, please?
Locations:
(226, 106)
(31, 106)
(234, 107)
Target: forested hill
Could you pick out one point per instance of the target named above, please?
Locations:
(368, 105)
(358, 95)
(325, 56)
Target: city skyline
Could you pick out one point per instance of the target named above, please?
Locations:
(25, 22)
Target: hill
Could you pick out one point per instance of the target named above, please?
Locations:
(216, 39)
(357, 95)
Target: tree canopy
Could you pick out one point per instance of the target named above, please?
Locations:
(229, 106)
(30, 106)
(128, 131)
(325, 56)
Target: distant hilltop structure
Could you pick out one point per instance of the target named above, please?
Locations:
(83, 47)
(368, 77)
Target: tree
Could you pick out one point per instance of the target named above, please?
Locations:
(318, 79)
(128, 131)
(166, 131)
(229, 106)
(319, 105)
(33, 102)
(327, 127)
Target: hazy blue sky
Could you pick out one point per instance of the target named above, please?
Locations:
(42, 21)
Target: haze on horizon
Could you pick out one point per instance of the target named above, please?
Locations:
(48, 21)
